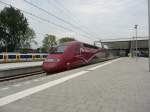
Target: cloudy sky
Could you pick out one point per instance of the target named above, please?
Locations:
(92, 19)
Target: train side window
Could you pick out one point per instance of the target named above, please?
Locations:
(22, 56)
(30, 56)
(44, 56)
(12, 56)
(1, 56)
(37, 56)
(90, 46)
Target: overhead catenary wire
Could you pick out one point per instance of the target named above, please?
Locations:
(75, 19)
(37, 16)
(42, 19)
(58, 18)
(61, 7)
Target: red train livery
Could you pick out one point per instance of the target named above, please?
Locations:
(72, 54)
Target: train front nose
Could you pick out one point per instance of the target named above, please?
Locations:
(51, 65)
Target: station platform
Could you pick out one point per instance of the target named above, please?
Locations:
(8, 66)
(120, 85)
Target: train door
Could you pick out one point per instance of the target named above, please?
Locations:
(78, 56)
(76, 60)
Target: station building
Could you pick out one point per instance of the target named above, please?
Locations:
(126, 46)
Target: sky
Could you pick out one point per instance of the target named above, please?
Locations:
(93, 19)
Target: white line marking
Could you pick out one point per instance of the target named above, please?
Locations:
(16, 85)
(5, 88)
(42, 78)
(11, 98)
(93, 68)
(27, 82)
(36, 80)
(22, 94)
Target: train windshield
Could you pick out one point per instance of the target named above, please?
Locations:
(58, 50)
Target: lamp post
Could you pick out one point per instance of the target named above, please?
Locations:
(149, 30)
(132, 47)
(136, 46)
(132, 43)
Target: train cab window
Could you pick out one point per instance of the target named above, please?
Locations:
(59, 49)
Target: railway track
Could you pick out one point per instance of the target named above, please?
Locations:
(33, 73)
(2, 79)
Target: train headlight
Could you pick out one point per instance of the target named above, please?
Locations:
(52, 60)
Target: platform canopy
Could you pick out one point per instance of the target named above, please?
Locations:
(126, 43)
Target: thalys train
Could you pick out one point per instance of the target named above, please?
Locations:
(18, 57)
(71, 55)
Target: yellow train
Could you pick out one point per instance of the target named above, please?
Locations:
(18, 57)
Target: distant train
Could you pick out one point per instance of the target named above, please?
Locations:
(73, 54)
(18, 57)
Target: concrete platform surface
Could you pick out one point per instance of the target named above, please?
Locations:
(121, 85)
(7, 66)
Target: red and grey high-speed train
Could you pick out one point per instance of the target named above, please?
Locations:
(72, 54)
